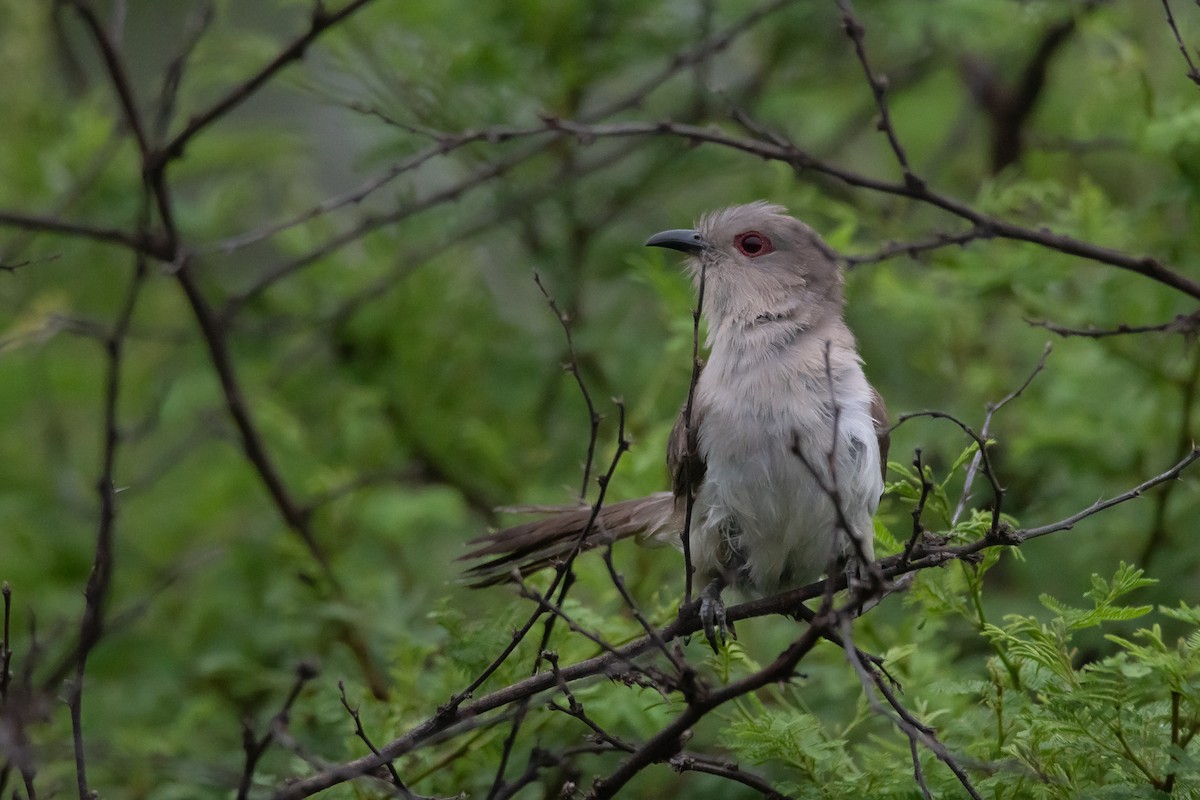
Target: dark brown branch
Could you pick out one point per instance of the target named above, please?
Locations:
(320, 22)
(915, 249)
(96, 592)
(361, 733)
(1102, 505)
(1184, 439)
(691, 458)
(374, 222)
(1009, 108)
(1192, 73)
(667, 742)
(1186, 324)
(902, 718)
(803, 161)
(694, 762)
(114, 67)
(563, 577)
(6, 651)
(919, 508)
(857, 33)
(139, 242)
(252, 444)
(253, 747)
(198, 24)
(985, 461)
(572, 367)
(992, 408)
(445, 145)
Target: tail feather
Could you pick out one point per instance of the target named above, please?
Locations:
(545, 542)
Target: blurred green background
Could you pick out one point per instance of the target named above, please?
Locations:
(409, 381)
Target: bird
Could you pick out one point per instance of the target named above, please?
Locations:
(782, 455)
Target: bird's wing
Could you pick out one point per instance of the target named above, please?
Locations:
(879, 416)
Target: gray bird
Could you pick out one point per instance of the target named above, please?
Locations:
(789, 440)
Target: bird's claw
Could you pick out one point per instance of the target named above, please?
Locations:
(712, 615)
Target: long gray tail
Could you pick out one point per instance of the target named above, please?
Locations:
(546, 542)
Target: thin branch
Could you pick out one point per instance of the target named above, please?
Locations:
(198, 23)
(916, 731)
(667, 741)
(1192, 73)
(673, 656)
(915, 249)
(802, 161)
(691, 439)
(572, 367)
(114, 67)
(6, 651)
(139, 242)
(252, 444)
(857, 33)
(919, 509)
(985, 461)
(361, 733)
(992, 408)
(1183, 441)
(255, 747)
(1187, 324)
(695, 762)
(446, 144)
(91, 625)
(1103, 505)
(320, 22)
(563, 575)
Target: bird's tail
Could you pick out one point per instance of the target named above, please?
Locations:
(545, 542)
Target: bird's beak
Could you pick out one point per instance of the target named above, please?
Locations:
(688, 241)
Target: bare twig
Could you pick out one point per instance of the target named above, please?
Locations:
(1187, 324)
(902, 718)
(320, 22)
(694, 762)
(1192, 73)
(140, 242)
(1103, 505)
(563, 573)
(572, 367)
(992, 408)
(802, 161)
(362, 734)
(857, 33)
(1183, 442)
(254, 747)
(6, 651)
(91, 626)
(691, 440)
(915, 249)
(985, 461)
(667, 742)
(919, 509)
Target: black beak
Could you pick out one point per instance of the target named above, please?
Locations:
(687, 241)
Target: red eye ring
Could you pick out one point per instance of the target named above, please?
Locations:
(753, 244)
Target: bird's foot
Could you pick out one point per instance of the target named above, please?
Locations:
(712, 614)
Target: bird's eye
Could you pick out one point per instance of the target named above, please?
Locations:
(753, 244)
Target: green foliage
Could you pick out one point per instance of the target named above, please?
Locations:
(1063, 725)
(409, 380)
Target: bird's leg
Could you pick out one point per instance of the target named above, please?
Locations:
(712, 613)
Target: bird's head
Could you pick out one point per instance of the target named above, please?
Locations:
(759, 264)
